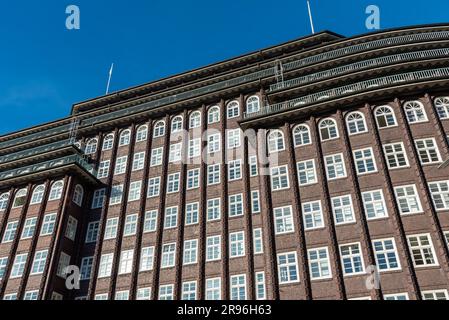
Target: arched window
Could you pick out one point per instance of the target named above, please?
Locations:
(415, 112)
(213, 116)
(176, 124)
(38, 194)
(159, 129)
(385, 117)
(195, 120)
(56, 191)
(356, 123)
(328, 129)
(20, 198)
(142, 133)
(442, 106)
(91, 146)
(108, 142)
(125, 138)
(78, 195)
(233, 109)
(301, 135)
(276, 141)
(252, 104)
(4, 198)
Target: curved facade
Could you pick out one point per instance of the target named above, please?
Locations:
(288, 173)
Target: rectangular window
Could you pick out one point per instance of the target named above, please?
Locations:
(154, 187)
(101, 297)
(19, 265)
(283, 220)
(122, 295)
(171, 218)
(213, 174)
(3, 263)
(213, 143)
(428, 151)
(156, 157)
(134, 191)
(287, 267)
(192, 213)
(422, 250)
(173, 182)
(166, 292)
(138, 161)
(168, 255)
(233, 138)
(40, 258)
(103, 169)
(235, 170)
(213, 209)
(29, 228)
(261, 291)
(194, 148)
(213, 248)
(10, 231)
(396, 155)
(396, 297)
(175, 152)
(306, 172)
(374, 205)
(435, 295)
(258, 241)
(364, 161)
(279, 178)
(312, 215)
(213, 289)
(190, 252)
(126, 261)
(92, 232)
(143, 294)
(150, 222)
(238, 287)
(440, 194)
(319, 263)
(253, 170)
(72, 225)
(386, 255)
(342, 210)
(111, 228)
(237, 244)
(48, 226)
(408, 199)
(130, 225)
(86, 268)
(64, 262)
(236, 205)
(31, 295)
(446, 235)
(147, 259)
(189, 290)
(352, 259)
(99, 198)
(193, 179)
(335, 167)
(255, 201)
(116, 194)
(120, 165)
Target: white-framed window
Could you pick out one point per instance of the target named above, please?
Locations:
(253, 104)
(276, 141)
(40, 258)
(253, 170)
(20, 198)
(105, 268)
(150, 221)
(37, 196)
(313, 215)
(233, 138)
(328, 129)
(301, 135)
(122, 295)
(173, 182)
(101, 297)
(356, 124)
(116, 194)
(168, 255)
(19, 265)
(159, 129)
(364, 161)
(190, 253)
(78, 195)
(440, 194)
(446, 236)
(233, 109)
(213, 143)
(10, 297)
(138, 161)
(143, 294)
(261, 292)
(130, 225)
(4, 199)
(48, 225)
(385, 117)
(29, 228)
(192, 213)
(319, 263)
(189, 290)
(396, 296)
(258, 241)
(154, 187)
(126, 261)
(156, 157)
(238, 287)
(213, 209)
(120, 165)
(237, 244)
(56, 191)
(288, 267)
(142, 133)
(194, 148)
(435, 295)
(422, 250)
(236, 205)
(213, 115)
(408, 199)
(92, 232)
(166, 292)
(213, 289)
(213, 248)
(125, 138)
(386, 254)
(195, 120)
(414, 110)
(255, 201)
(135, 189)
(213, 174)
(70, 231)
(374, 204)
(176, 124)
(3, 263)
(352, 259)
(146, 259)
(335, 166)
(306, 172)
(99, 198)
(396, 155)
(91, 146)
(442, 107)
(86, 268)
(175, 154)
(31, 295)
(279, 178)
(108, 142)
(171, 218)
(428, 151)
(64, 262)
(235, 170)
(10, 231)
(343, 210)
(283, 220)
(111, 228)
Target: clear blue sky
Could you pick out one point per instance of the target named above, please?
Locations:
(45, 68)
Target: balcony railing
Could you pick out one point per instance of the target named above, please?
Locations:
(34, 151)
(350, 89)
(270, 71)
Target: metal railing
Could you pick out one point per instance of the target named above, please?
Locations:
(35, 151)
(349, 90)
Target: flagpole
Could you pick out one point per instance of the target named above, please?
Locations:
(310, 17)
(109, 79)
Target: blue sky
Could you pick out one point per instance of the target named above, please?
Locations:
(45, 68)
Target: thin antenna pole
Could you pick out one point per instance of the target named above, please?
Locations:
(310, 17)
(109, 80)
